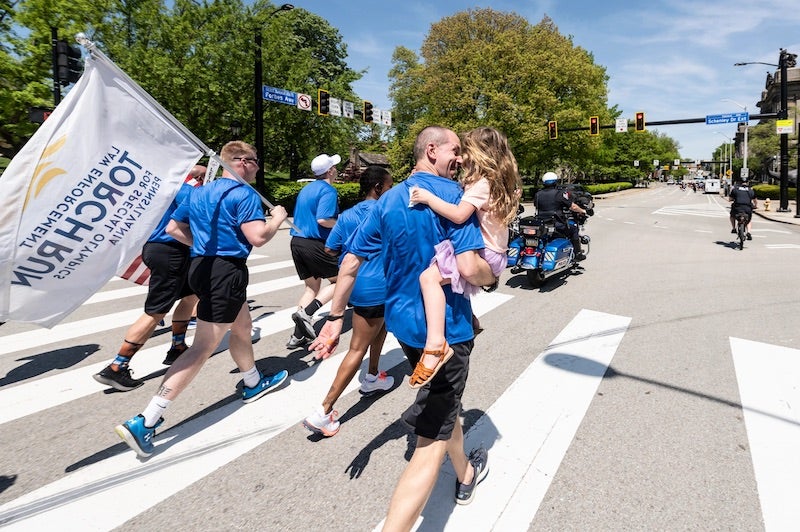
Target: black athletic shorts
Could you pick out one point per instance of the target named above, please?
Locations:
(221, 285)
(747, 209)
(369, 313)
(310, 259)
(169, 267)
(438, 404)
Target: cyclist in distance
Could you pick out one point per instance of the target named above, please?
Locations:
(743, 199)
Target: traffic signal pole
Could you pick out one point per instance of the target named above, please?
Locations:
(783, 114)
(56, 81)
(762, 116)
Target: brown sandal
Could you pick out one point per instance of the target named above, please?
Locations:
(423, 375)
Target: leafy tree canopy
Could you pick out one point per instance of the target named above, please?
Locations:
(197, 59)
(486, 67)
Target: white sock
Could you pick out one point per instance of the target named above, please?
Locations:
(155, 410)
(251, 377)
(370, 377)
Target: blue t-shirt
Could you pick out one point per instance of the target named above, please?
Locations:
(370, 287)
(160, 234)
(215, 213)
(316, 201)
(405, 238)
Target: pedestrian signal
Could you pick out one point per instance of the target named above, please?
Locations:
(552, 129)
(594, 125)
(323, 102)
(639, 125)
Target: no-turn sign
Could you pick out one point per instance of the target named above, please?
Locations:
(304, 102)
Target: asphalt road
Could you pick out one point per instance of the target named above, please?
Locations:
(651, 389)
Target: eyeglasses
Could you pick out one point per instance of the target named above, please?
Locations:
(250, 160)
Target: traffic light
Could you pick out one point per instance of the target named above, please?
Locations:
(594, 126)
(367, 111)
(69, 63)
(639, 122)
(552, 129)
(323, 102)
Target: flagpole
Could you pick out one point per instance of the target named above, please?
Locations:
(166, 115)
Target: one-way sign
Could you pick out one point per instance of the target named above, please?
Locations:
(727, 118)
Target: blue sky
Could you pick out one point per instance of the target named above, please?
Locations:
(671, 59)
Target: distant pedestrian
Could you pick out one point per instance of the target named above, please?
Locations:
(315, 213)
(407, 237)
(367, 298)
(222, 221)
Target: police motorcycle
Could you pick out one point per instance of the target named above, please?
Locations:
(536, 248)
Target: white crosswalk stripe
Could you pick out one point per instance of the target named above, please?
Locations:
(692, 210)
(768, 377)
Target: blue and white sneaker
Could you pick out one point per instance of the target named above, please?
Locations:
(267, 383)
(137, 436)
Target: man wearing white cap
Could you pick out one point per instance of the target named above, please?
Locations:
(315, 214)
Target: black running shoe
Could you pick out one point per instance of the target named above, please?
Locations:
(479, 458)
(119, 380)
(174, 353)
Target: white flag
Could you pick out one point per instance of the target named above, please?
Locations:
(82, 197)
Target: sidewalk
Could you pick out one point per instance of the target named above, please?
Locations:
(774, 215)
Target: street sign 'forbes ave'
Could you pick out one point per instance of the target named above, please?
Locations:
(279, 95)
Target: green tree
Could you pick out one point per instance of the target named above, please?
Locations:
(196, 58)
(486, 67)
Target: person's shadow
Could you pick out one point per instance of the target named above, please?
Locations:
(399, 429)
(41, 363)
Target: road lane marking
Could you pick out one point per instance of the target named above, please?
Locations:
(768, 377)
(557, 388)
(88, 498)
(690, 211)
(782, 246)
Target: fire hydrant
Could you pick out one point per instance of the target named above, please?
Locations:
(766, 204)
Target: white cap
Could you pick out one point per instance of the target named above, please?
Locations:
(323, 163)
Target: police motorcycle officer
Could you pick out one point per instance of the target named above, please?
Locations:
(554, 203)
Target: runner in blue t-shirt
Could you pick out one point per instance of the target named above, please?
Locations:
(221, 222)
(315, 213)
(168, 261)
(406, 237)
(368, 298)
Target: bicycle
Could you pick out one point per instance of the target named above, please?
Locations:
(741, 228)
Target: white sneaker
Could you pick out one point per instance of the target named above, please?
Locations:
(382, 383)
(321, 423)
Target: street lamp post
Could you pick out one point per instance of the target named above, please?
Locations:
(258, 101)
(746, 127)
(728, 151)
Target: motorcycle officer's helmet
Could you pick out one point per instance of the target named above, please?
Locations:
(549, 178)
